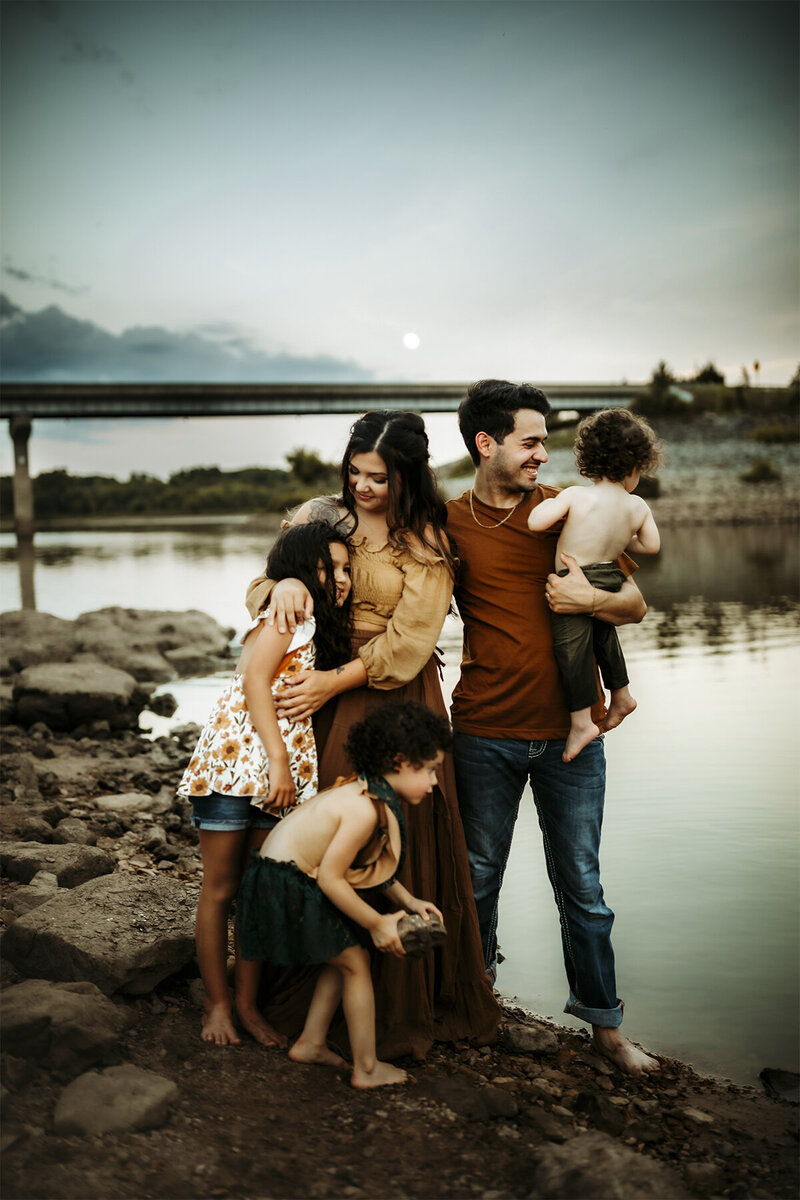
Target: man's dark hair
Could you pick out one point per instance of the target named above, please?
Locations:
(613, 442)
(491, 406)
(411, 731)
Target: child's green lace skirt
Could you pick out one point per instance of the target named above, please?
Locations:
(284, 917)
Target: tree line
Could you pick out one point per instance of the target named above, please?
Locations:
(199, 490)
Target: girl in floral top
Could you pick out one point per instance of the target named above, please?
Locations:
(250, 768)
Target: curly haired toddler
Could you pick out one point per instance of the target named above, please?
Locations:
(612, 448)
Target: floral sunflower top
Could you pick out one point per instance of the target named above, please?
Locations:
(230, 757)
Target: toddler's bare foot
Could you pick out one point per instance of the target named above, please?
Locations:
(218, 1026)
(260, 1029)
(307, 1052)
(621, 706)
(616, 1047)
(382, 1075)
(579, 737)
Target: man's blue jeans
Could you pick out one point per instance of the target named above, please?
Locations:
(491, 774)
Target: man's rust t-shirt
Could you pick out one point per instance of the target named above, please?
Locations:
(510, 685)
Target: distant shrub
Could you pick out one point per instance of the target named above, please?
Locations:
(761, 471)
(648, 487)
(454, 470)
(709, 374)
(775, 434)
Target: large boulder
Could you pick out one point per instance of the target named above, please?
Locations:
(28, 637)
(596, 1165)
(66, 1027)
(144, 642)
(150, 645)
(124, 933)
(65, 695)
(116, 1100)
(71, 864)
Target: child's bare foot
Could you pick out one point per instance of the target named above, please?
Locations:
(579, 736)
(615, 1046)
(621, 706)
(260, 1029)
(218, 1026)
(307, 1052)
(382, 1075)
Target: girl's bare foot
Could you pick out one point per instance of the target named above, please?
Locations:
(382, 1075)
(218, 1026)
(621, 706)
(260, 1029)
(622, 1053)
(579, 736)
(307, 1052)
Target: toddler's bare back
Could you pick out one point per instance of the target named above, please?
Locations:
(601, 522)
(303, 836)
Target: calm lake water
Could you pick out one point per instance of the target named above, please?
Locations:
(700, 845)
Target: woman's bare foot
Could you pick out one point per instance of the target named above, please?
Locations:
(579, 736)
(382, 1075)
(218, 1026)
(307, 1052)
(621, 706)
(615, 1046)
(260, 1029)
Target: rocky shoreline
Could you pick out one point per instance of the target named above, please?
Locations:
(108, 1089)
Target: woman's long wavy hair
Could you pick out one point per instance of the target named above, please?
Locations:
(415, 506)
(296, 554)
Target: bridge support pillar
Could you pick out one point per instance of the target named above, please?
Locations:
(20, 430)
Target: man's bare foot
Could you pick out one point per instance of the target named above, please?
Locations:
(307, 1052)
(260, 1029)
(579, 736)
(218, 1026)
(622, 1053)
(621, 706)
(382, 1075)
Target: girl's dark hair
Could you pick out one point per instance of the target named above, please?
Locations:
(411, 731)
(415, 506)
(613, 442)
(295, 555)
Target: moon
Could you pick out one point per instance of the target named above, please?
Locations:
(410, 341)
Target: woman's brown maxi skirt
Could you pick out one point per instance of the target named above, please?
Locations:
(443, 996)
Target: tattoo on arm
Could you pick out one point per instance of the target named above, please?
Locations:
(340, 670)
(325, 508)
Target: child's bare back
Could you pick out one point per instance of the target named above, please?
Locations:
(304, 835)
(602, 521)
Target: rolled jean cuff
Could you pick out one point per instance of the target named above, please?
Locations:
(606, 1018)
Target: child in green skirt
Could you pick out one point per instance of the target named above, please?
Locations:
(299, 903)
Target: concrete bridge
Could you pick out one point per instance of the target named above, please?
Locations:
(55, 400)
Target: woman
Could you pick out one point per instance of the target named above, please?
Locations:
(402, 570)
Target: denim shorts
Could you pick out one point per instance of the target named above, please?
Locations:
(229, 814)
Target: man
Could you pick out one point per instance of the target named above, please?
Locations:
(509, 713)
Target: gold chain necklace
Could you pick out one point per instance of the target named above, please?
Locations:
(499, 523)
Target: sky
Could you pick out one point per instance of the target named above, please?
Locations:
(555, 191)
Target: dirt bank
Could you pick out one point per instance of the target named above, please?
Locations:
(489, 1123)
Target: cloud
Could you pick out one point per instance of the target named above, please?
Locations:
(52, 346)
(28, 277)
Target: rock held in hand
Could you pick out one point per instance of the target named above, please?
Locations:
(418, 935)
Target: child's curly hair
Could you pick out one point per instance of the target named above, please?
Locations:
(613, 442)
(408, 731)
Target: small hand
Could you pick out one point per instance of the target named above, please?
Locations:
(282, 792)
(385, 935)
(424, 909)
(570, 593)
